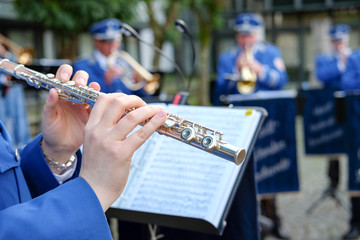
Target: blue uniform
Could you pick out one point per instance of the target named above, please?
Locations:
(274, 75)
(97, 74)
(69, 211)
(350, 81)
(351, 76)
(328, 70)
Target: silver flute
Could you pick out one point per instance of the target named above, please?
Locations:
(176, 127)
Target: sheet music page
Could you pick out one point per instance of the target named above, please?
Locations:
(173, 178)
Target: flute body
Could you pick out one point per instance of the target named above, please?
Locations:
(176, 127)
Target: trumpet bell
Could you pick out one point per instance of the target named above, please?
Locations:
(153, 85)
(247, 83)
(25, 56)
(246, 87)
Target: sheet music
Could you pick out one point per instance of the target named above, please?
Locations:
(173, 178)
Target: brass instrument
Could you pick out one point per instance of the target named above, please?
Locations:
(179, 128)
(128, 66)
(247, 82)
(24, 55)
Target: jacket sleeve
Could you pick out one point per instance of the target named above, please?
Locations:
(37, 173)
(351, 77)
(71, 211)
(226, 65)
(327, 69)
(274, 75)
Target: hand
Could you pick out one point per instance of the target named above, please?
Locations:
(108, 149)
(252, 64)
(112, 73)
(62, 121)
(137, 77)
(344, 54)
(241, 61)
(256, 67)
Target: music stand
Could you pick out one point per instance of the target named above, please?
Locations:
(174, 185)
(324, 135)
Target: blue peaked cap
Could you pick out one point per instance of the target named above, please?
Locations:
(107, 30)
(248, 23)
(339, 32)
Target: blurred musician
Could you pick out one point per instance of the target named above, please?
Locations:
(261, 58)
(107, 38)
(5, 79)
(329, 69)
(13, 112)
(264, 61)
(351, 77)
(351, 80)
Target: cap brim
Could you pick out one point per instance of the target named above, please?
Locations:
(245, 30)
(102, 37)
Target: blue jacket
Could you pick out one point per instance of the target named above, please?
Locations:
(69, 211)
(327, 70)
(274, 76)
(97, 74)
(351, 77)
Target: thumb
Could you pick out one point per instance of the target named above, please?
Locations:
(50, 104)
(63, 73)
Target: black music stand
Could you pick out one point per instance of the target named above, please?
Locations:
(237, 182)
(319, 106)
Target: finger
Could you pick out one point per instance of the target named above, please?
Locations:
(141, 135)
(133, 119)
(81, 78)
(95, 86)
(117, 107)
(50, 104)
(64, 72)
(100, 106)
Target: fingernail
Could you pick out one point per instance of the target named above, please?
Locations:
(160, 114)
(80, 81)
(50, 97)
(64, 75)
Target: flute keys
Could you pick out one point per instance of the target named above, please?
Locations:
(188, 134)
(37, 84)
(50, 75)
(209, 142)
(169, 123)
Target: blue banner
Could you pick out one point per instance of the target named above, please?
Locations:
(275, 149)
(353, 140)
(322, 133)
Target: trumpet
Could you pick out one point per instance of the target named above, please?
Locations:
(24, 55)
(128, 66)
(247, 83)
(176, 127)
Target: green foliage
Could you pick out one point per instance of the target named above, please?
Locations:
(72, 16)
(170, 10)
(209, 10)
(209, 16)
